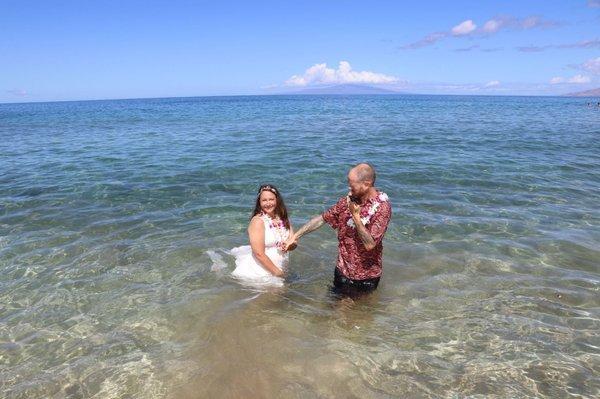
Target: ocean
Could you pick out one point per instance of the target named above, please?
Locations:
(117, 217)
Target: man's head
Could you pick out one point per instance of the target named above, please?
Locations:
(361, 179)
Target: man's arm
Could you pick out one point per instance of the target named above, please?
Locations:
(365, 236)
(312, 225)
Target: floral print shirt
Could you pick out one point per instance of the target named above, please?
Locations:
(354, 261)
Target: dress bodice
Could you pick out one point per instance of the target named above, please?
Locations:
(275, 232)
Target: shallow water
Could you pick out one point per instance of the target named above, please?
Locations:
(116, 218)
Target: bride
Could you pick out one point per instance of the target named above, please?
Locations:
(264, 261)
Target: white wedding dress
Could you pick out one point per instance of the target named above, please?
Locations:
(247, 267)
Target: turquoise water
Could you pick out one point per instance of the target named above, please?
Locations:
(116, 218)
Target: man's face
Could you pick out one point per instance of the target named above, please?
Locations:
(357, 188)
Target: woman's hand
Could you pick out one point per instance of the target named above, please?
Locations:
(291, 243)
(291, 246)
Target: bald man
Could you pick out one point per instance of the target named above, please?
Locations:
(361, 219)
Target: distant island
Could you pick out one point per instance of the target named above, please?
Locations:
(345, 89)
(587, 93)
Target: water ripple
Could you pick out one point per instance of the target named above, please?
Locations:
(112, 214)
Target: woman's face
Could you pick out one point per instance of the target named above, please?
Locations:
(268, 202)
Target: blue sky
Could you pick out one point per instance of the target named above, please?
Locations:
(71, 50)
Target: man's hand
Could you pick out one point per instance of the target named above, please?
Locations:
(291, 243)
(353, 207)
(363, 233)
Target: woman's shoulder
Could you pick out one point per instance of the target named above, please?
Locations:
(256, 220)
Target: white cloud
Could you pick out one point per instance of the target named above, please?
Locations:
(464, 28)
(493, 26)
(469, 28)
(592, 66)
(577, 79)
(509, 22)
(492, 83)
(320, 74)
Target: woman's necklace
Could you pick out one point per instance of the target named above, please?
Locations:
(279, 230)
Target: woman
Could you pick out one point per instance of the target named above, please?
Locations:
(264, 260)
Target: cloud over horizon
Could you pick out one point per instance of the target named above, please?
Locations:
(591, 67)
(577, 79)
(321, 74)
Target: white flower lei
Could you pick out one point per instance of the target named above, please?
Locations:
(374, 206)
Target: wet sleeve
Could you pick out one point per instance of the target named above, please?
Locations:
(380, 222)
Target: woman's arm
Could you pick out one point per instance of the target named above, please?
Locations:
(256, 233)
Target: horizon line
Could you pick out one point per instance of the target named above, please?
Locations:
(293, 95)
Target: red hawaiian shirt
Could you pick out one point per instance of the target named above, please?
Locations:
(354, 261)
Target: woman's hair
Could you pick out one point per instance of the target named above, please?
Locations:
(280, 209)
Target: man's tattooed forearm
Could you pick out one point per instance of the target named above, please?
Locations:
(365, 236)
(312, 225)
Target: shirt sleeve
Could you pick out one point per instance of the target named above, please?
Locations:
(332, 215)
(380, 222)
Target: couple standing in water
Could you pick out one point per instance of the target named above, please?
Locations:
(360, 218)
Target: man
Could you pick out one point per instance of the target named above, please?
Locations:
(361, 219)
